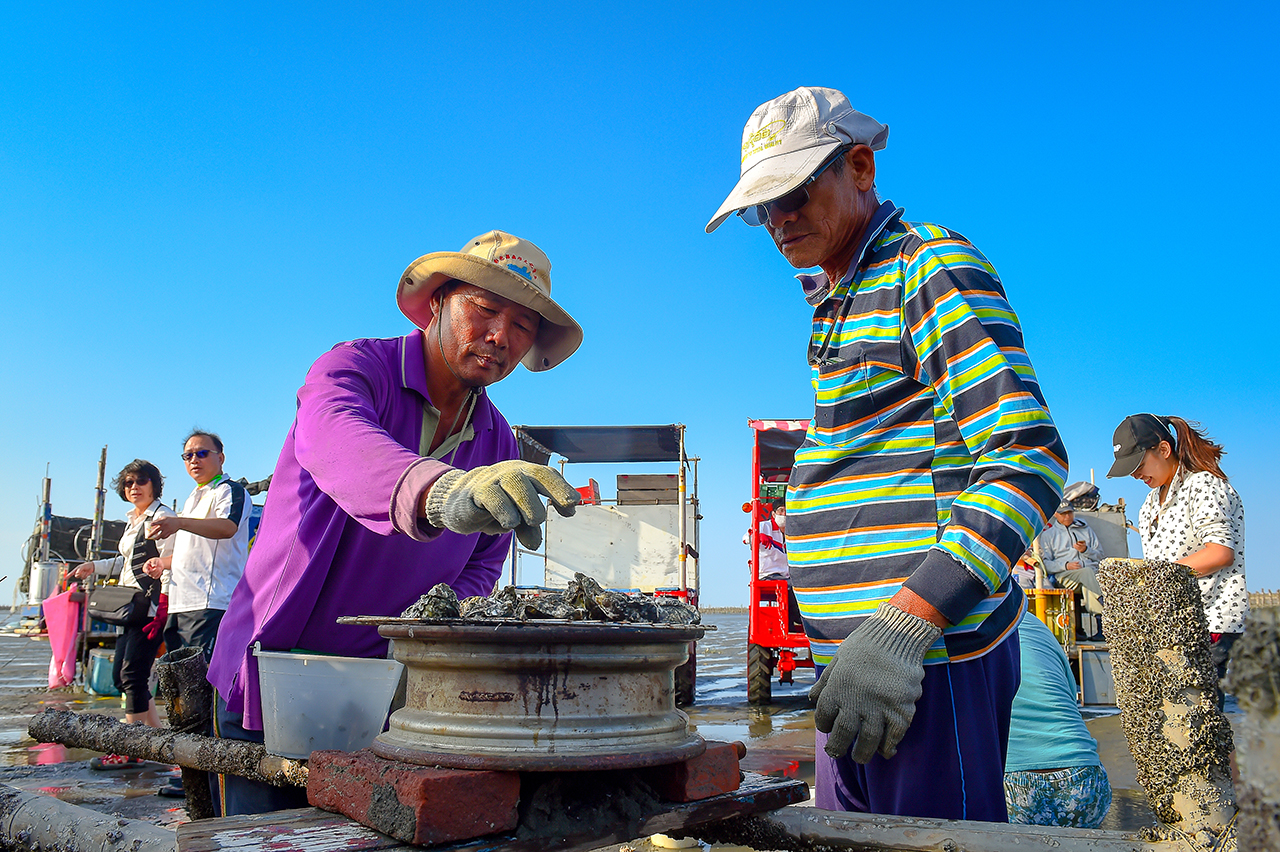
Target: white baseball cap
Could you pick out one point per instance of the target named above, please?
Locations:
(788, 138)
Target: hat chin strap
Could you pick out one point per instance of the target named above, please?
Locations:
(472, 393)
(440, 342)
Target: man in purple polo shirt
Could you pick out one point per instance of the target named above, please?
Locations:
(398, 474)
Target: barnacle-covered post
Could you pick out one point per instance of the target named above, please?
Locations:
(1166, 688)
(1255, 682)
(181, 680)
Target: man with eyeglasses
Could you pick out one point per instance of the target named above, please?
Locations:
(398, 473)
(211, 543)
(930, 464)
(210, 549)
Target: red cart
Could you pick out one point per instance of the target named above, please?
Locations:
(770, 644)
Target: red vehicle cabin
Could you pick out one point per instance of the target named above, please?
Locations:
(770, 644)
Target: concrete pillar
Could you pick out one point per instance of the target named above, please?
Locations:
(1254, 680)
(1166, 690)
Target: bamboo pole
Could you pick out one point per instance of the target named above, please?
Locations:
(99, 510)
(1042, 602)
(46, 518)
(31, 821)
(164, 745)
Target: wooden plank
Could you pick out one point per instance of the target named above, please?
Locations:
(648, 481)
(647, 498)
(809, 828)
(297, 830)
(314, 830)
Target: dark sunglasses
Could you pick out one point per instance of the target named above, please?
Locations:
(789, 203)
(195, 454)
(129, 483)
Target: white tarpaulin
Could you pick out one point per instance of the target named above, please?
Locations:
(621, 547)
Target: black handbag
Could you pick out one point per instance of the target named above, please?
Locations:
(121, 605)
(126, 606)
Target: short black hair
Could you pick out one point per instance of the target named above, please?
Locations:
(200, 433)
(139, 469)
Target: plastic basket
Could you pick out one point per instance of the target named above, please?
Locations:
(99, 680)
(313, 702)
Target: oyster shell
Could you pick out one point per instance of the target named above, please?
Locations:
(441, 602)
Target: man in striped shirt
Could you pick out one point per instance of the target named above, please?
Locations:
(930, 464)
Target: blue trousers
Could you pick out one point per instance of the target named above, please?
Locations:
(234, 795)
(950, 764)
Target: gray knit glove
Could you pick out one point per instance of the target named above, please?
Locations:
(499, 497)
(867, 695)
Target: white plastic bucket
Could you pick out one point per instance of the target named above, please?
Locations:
(312, 702)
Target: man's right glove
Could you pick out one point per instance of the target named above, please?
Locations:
(499, 497)
(868, 692)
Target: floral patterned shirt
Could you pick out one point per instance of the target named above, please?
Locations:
(1199, 509)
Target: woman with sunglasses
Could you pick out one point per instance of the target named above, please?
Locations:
(1191, 516)
(139, 483)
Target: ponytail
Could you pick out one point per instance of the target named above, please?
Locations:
(1195, 451)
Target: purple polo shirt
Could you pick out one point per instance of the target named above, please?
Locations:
(340, 533)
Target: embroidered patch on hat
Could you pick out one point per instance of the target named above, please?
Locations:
(518, 265)
(764, 138)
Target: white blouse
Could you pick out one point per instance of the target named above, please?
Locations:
(1200, 509)
(118, 566)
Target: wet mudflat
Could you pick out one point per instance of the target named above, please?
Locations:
(54, 770)
(779, 738)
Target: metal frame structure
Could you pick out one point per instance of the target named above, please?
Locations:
(625, 445)
(618, 445)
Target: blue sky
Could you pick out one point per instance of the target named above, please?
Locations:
(196, 202)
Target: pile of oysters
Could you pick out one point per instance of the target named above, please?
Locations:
(582, 600)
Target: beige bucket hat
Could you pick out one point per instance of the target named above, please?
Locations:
(513, 268)
(786, 139)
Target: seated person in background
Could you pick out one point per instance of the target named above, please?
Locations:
(1071, 554)
(1052, 774)
(773, 558)
(773, 545)
(1024, 570)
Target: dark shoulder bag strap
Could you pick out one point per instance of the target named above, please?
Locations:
(144, 549)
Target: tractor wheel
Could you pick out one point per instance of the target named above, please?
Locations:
(759, 675)
(687, 678)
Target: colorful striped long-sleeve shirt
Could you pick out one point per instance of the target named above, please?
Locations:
(932, 460)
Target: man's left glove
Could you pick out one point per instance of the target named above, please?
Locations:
(499, 497)
(867, 695)
(156, 625)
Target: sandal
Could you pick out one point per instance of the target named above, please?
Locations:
(172, 790)
(114, 761)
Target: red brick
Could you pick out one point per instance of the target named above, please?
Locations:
(711, 773)
(418, 804)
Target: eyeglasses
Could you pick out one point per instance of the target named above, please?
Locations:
(789, 203)
(129, 483)
(195, 454)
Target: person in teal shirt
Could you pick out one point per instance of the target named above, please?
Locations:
(1052, 774)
